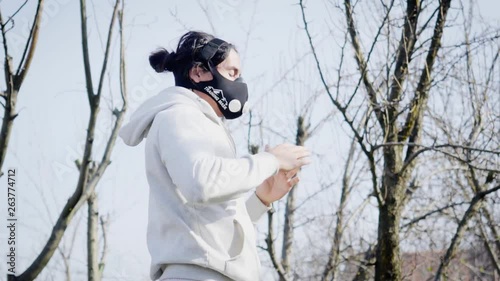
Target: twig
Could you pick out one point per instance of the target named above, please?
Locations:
(270, 246)
(473, 207)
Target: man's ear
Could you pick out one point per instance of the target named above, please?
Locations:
(199, 74)
(195, 73)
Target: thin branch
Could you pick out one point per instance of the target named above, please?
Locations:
(361, 61)
(473, 208)
(65, 259)
(342, 109)
(302, 134)
(270, 246)
(489, 249)
(29, 49)
(493, 229)
(104, 227)
(334, 256)
(425, 216)
(207, 16)
(85, 47)
(123, 73)
(108, 47)
(427, 148)
(369, 259)
(11, 18)
(411, 129)
(464, 147)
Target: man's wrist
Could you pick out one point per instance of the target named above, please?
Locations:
(265, 202)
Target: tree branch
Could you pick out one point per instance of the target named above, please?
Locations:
(411, 128)
(360, 59)
(489, 249)
(108, 47)
(29, 49)
(104, 228)
(473, 208)
(85, 47)
(404, 55)
(270, 246)
(334, 256)
(342, 109)
(439, 210)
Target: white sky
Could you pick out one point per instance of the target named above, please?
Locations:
(53, 112)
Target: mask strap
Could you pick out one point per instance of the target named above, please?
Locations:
(211, 48)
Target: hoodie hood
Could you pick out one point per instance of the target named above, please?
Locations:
(138, 126)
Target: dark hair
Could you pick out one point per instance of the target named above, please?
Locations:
(187, 55)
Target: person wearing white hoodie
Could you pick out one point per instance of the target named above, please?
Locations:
(200, 223)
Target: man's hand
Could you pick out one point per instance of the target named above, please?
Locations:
(290, 156)
(277, 186)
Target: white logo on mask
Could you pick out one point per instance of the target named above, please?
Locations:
(218, 95)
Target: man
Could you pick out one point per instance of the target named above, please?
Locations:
(200, 225)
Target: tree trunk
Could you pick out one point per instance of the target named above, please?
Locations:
(286, 252)
(388, 264)
(334, 256)
(92, 243)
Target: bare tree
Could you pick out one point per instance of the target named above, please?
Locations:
(393, 139)
(91, 171)
(481, 183)
(95, 265)
(14, 78)
(303, 131)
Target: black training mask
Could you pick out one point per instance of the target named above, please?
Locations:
(230, 96)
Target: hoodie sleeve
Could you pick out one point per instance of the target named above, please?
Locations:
(187, 152)
(256, 208)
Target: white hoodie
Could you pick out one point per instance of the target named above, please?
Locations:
(197, 210)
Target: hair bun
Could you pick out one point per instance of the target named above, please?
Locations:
(162, 60)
